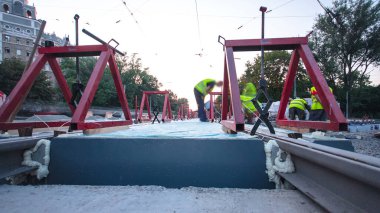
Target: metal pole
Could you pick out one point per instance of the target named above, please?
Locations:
(263, 10)
(347, 104)
(76, 18)
(36, 44)
(295, 88)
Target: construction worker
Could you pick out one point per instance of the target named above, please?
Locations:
(248, 93)
(317, 112)
(297, 108)
(201, 89)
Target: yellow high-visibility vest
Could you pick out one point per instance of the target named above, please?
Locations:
(315, 103)
(298, 103)
(202, 85)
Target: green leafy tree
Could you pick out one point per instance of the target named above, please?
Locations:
(346, 41)
(11, 71)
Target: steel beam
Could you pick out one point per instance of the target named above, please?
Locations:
(167, 115)
(212, 113)
(289, 80)
(327, 98)
(119, 87)
(231, 88)
(90, 90)
(268, 43)
(61, 82)
(73, 51)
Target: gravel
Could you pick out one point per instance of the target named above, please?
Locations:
(363, 142)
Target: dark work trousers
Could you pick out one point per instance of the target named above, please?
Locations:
(201, 105)
(317, 115)
(293, 112)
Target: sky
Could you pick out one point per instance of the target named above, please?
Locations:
(166, 35)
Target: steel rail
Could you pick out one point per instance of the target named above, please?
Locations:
(11, 154)
(337, 180)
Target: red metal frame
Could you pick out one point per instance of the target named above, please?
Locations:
(231, 87)
(300, 50)
(166, 110)
(49, 54)
(212, 113)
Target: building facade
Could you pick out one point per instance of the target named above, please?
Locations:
(19, 29)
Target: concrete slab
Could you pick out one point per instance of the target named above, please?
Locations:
(57, 198)
(168, 162)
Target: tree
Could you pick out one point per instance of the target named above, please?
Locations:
(276, 65)
(346, 41)
(11, 71)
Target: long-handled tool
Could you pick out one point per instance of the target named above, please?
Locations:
(262, 88)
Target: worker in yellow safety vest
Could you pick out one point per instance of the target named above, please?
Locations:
(317, 112)
(297, 108)
(202, 89)
(249, 92)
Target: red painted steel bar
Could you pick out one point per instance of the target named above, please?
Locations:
(61, 82)
(288, 85)
(144, 102)
(301, 50)
(119, 87)
(268, 43)
(167, 115)
(92, 86)
(18, 94)
(212, 111)
(234, 94)
(72, 51)
(13, 102)
(18, 125)
(327, 98)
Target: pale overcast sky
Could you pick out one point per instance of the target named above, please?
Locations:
(166, 35)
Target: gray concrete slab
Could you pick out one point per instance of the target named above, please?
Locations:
(75, 199)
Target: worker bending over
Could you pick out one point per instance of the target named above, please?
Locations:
(203, 88)
(247, 94)
(317, 112)
(297, 108)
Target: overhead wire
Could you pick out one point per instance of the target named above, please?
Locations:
(199, 29)
(279, 6)
(131, 13)
(275, 8)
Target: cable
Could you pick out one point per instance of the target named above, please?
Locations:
(280, 6)
(131, 13)
(275, 8)
(199, 30)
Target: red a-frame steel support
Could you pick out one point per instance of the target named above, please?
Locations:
(166, 110)
(300, 48)
(231, 87)
(50, 55)
(212, 113)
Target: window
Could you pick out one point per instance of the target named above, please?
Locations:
(27, 42)
(7, 26)
(17, 8)
(17, 40)
(27, 54)
(7, 50)
(18, 52)
(7, 38)
(6, 8)
(18, 29)
(28, 31)
(29, 14)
